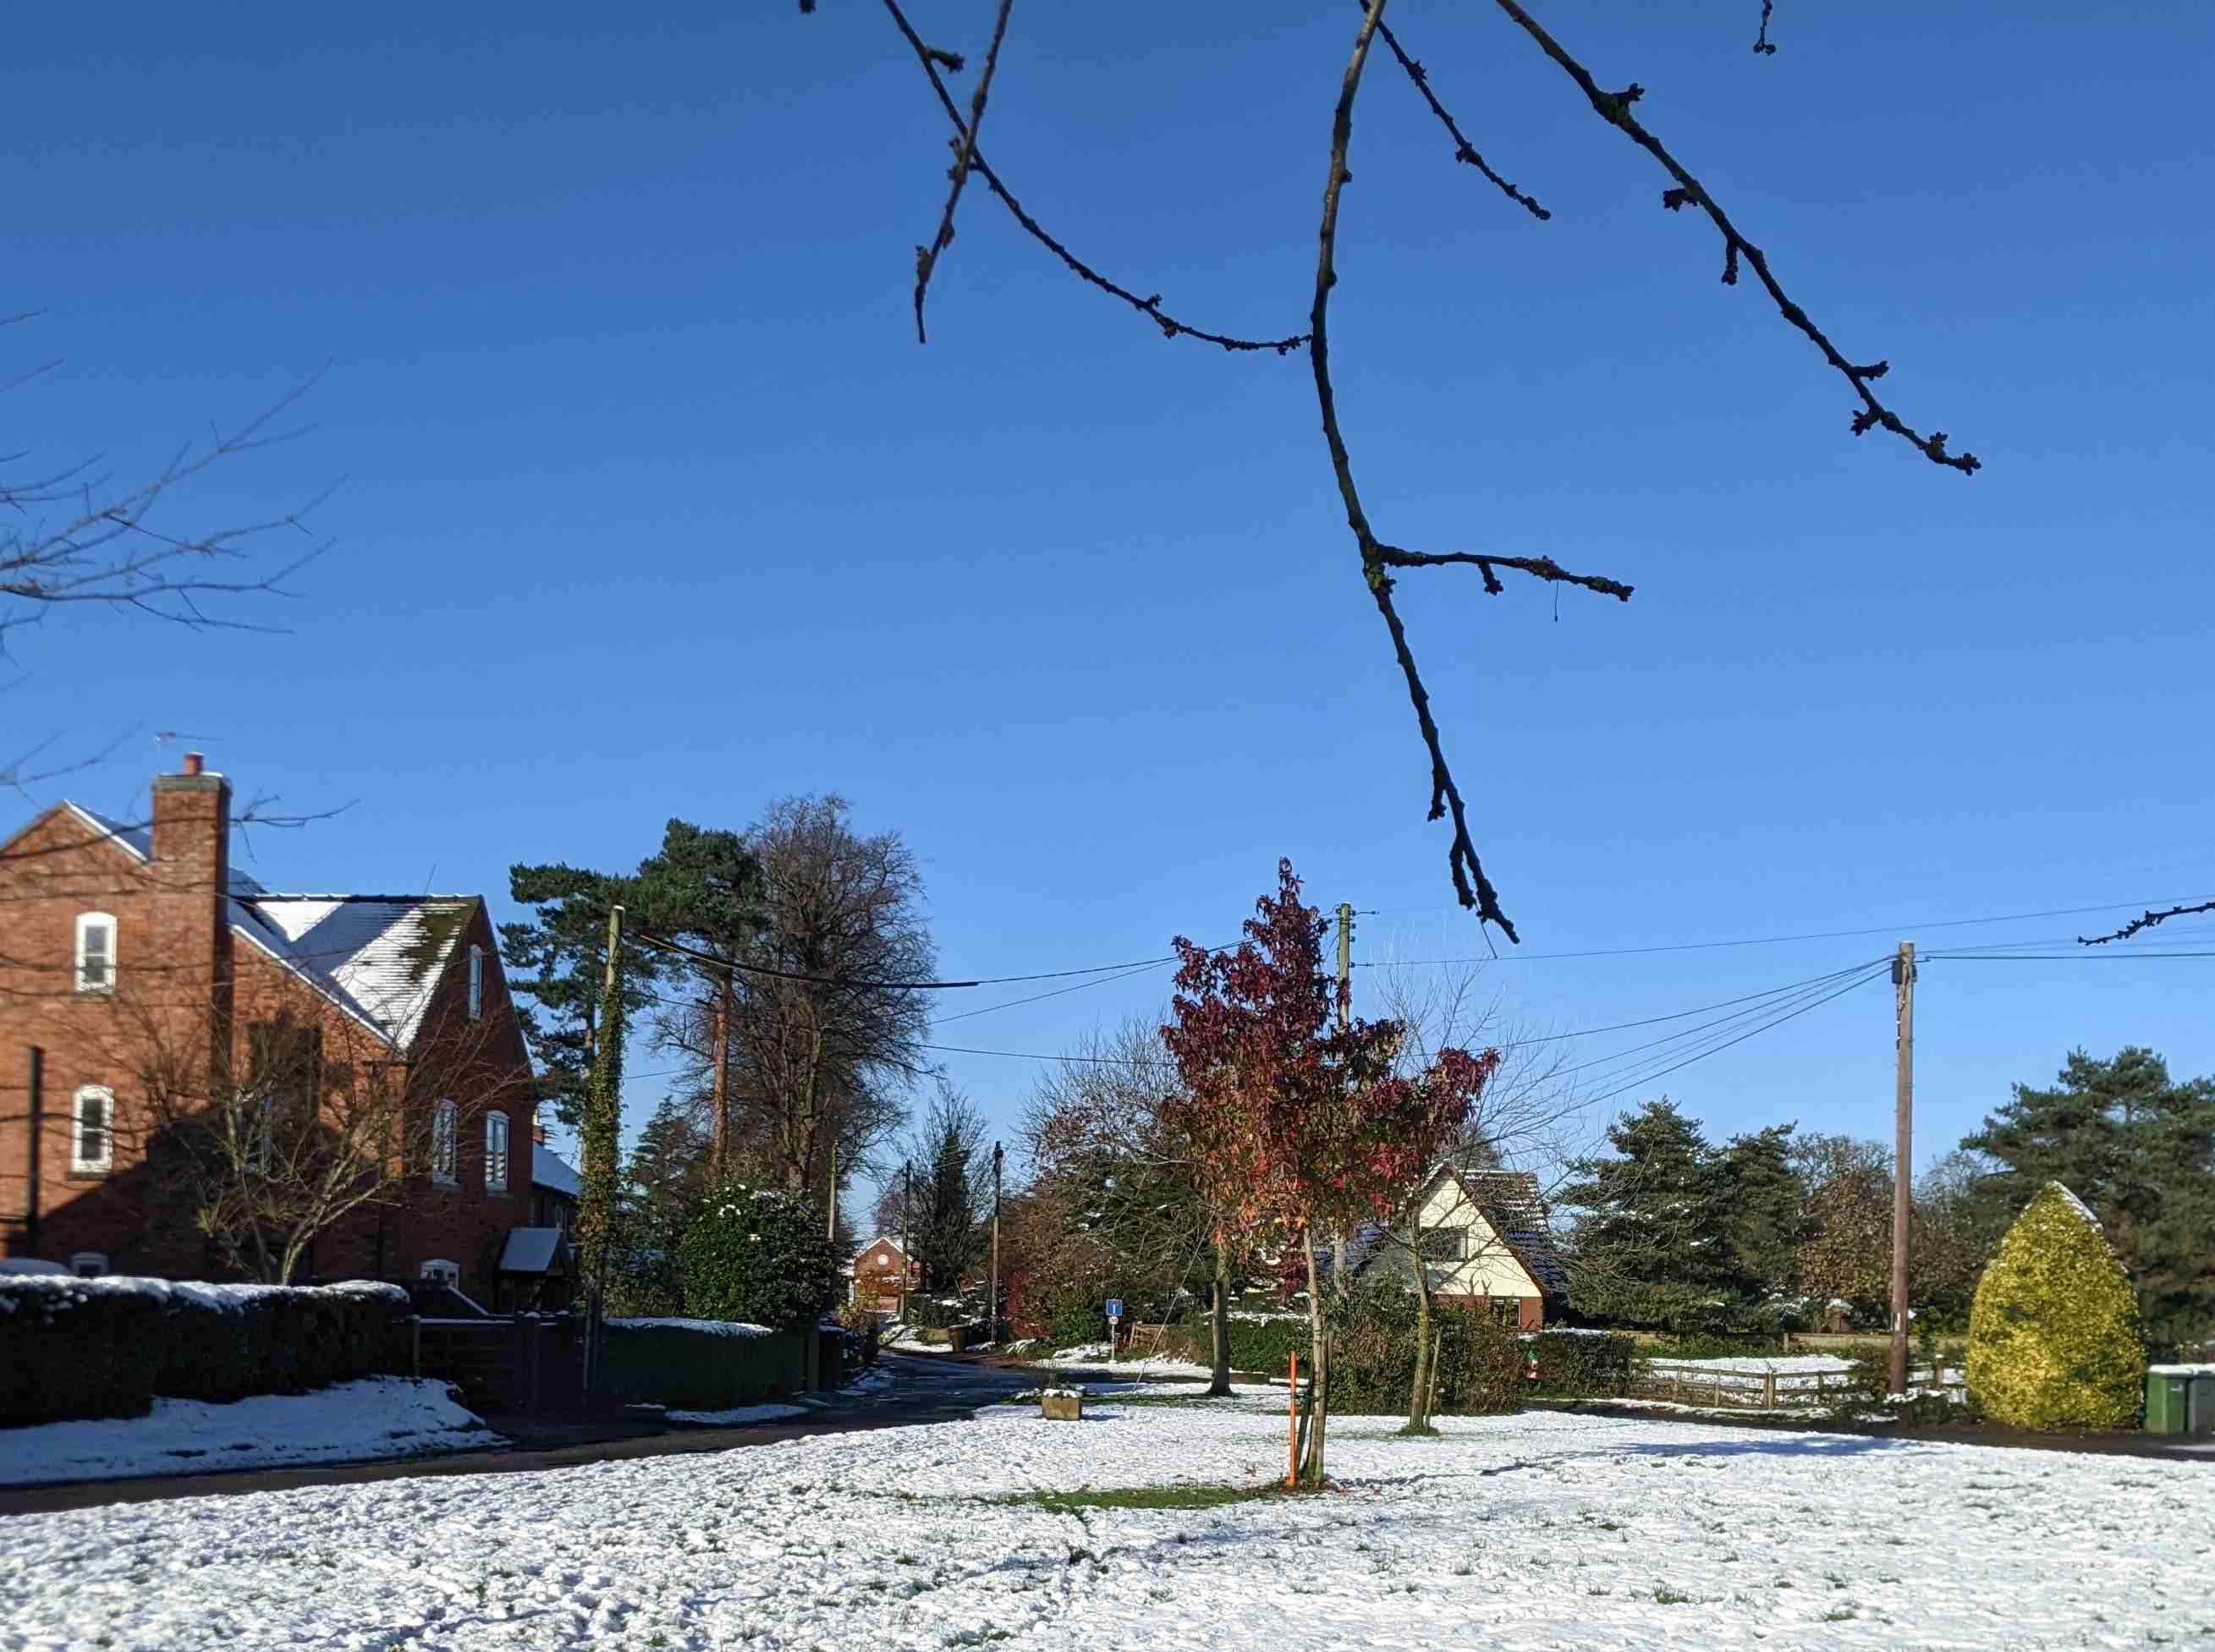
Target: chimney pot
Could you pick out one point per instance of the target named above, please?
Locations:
(193, 761)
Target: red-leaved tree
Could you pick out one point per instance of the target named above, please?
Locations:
(1301, 1127)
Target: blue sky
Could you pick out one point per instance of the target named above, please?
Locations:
(647, 503)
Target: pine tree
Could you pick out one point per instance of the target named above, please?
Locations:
(947, 1241)
(1768, 1206)
(556, 958)
(668, 1166)
(2139, 1149)
(1657, 1244)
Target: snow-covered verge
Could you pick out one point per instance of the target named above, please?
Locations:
(1529, 1532)
(349, 1423)
(730, 1416)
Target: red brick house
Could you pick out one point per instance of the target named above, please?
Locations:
(136, 953)
(883, 1273)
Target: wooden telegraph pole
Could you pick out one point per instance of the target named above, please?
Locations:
(992, 1303)
(1903, 1168)
(721, 1080)
(907, 1230)
(1345, 1010)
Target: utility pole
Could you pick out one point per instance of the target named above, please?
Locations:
(603, 1126)
(831, 1203)
(992, 1303)
(722, 1078)
(38, 1133)
(1903, 976)
(1344, 1014)
(907, 1230)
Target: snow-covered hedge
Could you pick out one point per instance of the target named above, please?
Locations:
(703, 1365)
(106, 1347)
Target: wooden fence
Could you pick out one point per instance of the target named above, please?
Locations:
(1705, 1385)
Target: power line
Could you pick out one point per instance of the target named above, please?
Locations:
(1756, 941)
(1648, 1078)
(2051, 958)
(712, 962)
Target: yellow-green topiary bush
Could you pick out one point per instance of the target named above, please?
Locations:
(2054, 1337)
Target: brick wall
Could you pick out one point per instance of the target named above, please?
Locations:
(183, 983)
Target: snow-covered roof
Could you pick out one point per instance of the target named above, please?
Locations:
(529, 1250)
(378, 957)
(549, 1170)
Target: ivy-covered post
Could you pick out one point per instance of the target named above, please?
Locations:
(603, 1125)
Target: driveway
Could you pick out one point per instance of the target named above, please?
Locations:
(924, 1388)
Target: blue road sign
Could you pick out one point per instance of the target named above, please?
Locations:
(1114, 1308)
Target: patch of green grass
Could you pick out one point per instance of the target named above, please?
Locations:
(1844, 1614)
(1147, 1496)
(1666, 1596)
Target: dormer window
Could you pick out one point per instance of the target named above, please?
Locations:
(476, 981)
(95, 953)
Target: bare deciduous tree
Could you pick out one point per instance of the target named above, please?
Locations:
(823, 1043)
(1380, 561)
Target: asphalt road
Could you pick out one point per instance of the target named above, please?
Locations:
(924, 1388)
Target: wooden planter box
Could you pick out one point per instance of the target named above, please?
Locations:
(1063, 1407)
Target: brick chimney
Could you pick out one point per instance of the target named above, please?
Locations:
(191, 828)
(191, 907)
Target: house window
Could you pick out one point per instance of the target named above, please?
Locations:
(444, 1119)
(92, 1132)
(89, 1264)
(476, 981)
(495, 1153)
(1506, 1311)
(95, 953)
(1444, 1243)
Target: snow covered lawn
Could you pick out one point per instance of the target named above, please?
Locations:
(1542, 1530)
(348, 1422)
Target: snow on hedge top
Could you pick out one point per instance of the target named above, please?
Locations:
(2077, 1205)
(46, 1291)
(707, 1327)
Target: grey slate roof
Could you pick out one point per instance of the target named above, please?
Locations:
(1510, 1201)
(378, 956)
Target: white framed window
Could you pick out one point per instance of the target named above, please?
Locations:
(476, 981)
(444, 1141)
(95, 953)
(89, 1264)
(92, 1130)
(439, 1272)
(495, 1153)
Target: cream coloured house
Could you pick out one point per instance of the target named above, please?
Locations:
(1485, 1242)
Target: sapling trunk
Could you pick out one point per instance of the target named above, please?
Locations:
(1218, 1325)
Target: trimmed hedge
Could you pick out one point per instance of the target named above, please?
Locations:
(1257, 1345)
(107, 1346)
(2054, 1339)
(1571, 1362)
(702, 1365)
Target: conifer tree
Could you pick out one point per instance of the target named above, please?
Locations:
(1658, 1242)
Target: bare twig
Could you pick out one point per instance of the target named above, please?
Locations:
(1614, 107)
(1471, 885)
(965, 156)
(1465, 152)
(1538, 567)
(2147, 920)
(931, 59)
(1761, 45)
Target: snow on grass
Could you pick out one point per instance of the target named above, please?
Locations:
(348, 1422)
(1540, 1531)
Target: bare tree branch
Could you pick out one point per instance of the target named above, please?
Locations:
(1614, 107)
(2147, 920)
(1465, 152)
(1761, 45)
(964, 156)
(930, 58)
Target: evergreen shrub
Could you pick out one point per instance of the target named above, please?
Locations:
(758, 1256)
(2054, 1339)
(108, 1347)
(1595, 1367)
